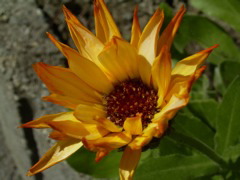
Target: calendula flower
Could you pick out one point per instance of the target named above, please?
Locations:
(121, 94)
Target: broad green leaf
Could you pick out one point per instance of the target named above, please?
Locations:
(175, 166)
(225, 10)
(84, 161)
(200, 89)
(205, 109)
(169, 146)
(227, 121)
(233, 152)
(193, 127)
(229, 70)
(205, 33)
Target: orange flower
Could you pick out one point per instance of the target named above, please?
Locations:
(121, 94)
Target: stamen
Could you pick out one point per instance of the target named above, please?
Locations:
(129, 98)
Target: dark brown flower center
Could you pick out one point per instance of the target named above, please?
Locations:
(129, 98)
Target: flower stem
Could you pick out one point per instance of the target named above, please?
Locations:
(198, 145)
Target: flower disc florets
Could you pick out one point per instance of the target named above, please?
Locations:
(129, 98)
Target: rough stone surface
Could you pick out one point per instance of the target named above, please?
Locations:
(23, 24)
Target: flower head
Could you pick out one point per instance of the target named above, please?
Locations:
(121, 94)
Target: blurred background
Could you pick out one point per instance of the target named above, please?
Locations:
(23, 42)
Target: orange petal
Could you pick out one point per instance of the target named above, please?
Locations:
(129, 163)
(88, 45)
(104, 23)
(133, 125)
(63, 82)
(70, 128)
(89, 113)
(56, 135)
(148, 41)
(101, 154)
(86, 70)
(59, 152)
(161, 73)
(68, 15)
(136, 30)
(189, 65)
(120, 59)
(42, 121)
(168, 34)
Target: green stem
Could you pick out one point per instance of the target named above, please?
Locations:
(198, 145)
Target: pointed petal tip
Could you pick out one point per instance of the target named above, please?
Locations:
(29, 173)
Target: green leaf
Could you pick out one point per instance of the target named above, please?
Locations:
(84, 161)
(193, 127)
(205, 33)
(225, 10)
(205, 109)
(229, 70)
(227, 121)
(233, 152)
(175, 166)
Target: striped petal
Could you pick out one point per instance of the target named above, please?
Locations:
(129, 162)
(88, 45)
(148, 41)
(42, 122)
(169, 33)
(86, 70)
(59, 152)
(136, 30)
(161, 73)
(63, 82)
(189, 65)
(104, 23)
(120, 59)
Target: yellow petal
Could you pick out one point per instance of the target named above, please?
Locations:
(169, 111)
(68, 15)
(161, 73)
(59, 152)
(63, 82)
(96, 131)
(148, 41)
(65, 101)
(120, 59)
(180, 81)
(89, 113)
(145, 138)
(86, 70)
(129, 163)
(104, 23)
(70, 128)
(109, 125)
(56, 135)
(42, 121)
(189, 65)
(144, 69)
(168, 34)
(113, 140)
(88, 45)
(136, 30)
(133, 125)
